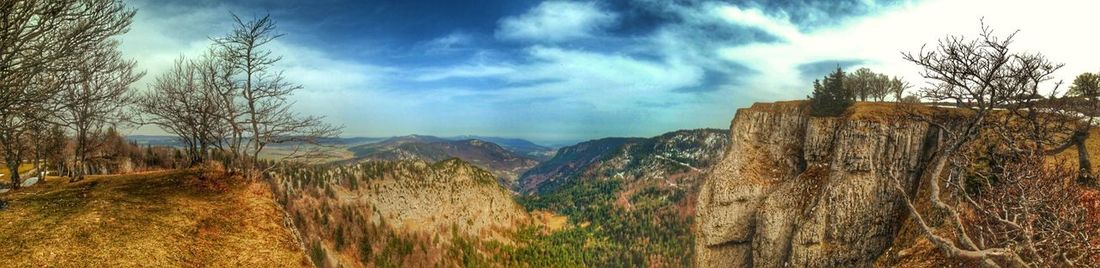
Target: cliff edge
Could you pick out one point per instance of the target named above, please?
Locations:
(802, 191)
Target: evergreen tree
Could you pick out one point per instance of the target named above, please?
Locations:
(1085, 85)
(830, 96)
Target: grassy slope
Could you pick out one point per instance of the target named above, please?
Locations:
(154, 219)
(22, 169)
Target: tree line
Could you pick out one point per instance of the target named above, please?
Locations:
(233, 102)
(64, 83)
(833, 94)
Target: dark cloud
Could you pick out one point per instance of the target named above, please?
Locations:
(640, 17)
(716, 80)
(817, 69)
(816, 14)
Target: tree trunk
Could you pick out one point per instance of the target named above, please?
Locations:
(15, 182)
(38, 167)
(81, 156)
(1085, 176)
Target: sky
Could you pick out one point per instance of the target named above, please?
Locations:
(565, 71)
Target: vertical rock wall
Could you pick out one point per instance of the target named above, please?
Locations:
(807, 191)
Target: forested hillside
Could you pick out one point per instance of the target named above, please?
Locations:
(635, 195)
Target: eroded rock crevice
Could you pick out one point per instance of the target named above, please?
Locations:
(795, 190)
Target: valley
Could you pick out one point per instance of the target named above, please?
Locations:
(548, 133)
(425, 201)
(505, 164)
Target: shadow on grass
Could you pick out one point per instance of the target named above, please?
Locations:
(58, 203)
(117, 196)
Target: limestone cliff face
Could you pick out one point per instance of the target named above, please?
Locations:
(361, 215)
(808, 191)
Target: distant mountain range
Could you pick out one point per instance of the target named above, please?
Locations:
(155, 140)
(519, 146)
(165, 140)
(505, 164)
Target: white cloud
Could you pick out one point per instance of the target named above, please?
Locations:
(629, 87)
(557, 21)
(607, 75)
(456, 41)
(156, 41)
(1053, 28)
(348, 92)
(780, 27)
(465, 71)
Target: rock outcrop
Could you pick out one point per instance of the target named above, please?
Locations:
(411, 195)
(382, 209)
(801, 191)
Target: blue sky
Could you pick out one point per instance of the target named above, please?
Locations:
(553, 71)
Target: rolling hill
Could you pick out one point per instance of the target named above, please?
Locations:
(519, 146)
(505, 165)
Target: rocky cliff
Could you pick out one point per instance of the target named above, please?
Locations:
(375, 212)
(801, 191)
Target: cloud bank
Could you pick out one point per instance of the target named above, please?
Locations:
(570, 70)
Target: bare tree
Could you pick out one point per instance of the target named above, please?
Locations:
(866, 84)
(94, 100)
(51, 147)
(20, 122)
(861, 83)
(1080, 106)
(220, 89)
(1016, 226)
(39, 143)
(182, 103)
(897, 87)
(39, 38)
(263, 92)
(880, 87)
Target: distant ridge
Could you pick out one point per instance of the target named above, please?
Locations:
(505, 164)
(637, 158)
(519, 146)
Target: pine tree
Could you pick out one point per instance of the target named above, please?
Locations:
(1085, 85)
(830, 96)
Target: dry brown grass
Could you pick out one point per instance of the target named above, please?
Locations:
(870, 111)
(156, 219)
(22, 169)
(552, 222)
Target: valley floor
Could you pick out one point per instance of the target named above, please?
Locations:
(157, 219)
